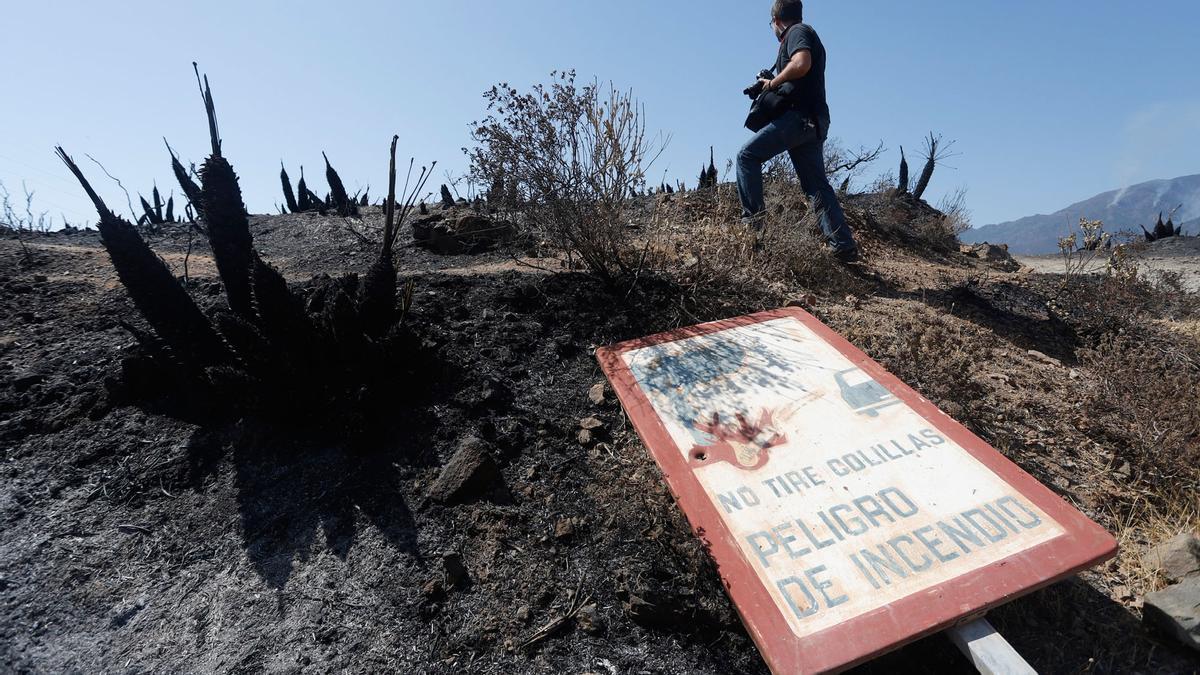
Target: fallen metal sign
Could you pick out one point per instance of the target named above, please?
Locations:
(847, 514)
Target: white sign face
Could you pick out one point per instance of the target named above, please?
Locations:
(840, 496)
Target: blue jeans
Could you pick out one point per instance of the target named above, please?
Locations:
(805, 144)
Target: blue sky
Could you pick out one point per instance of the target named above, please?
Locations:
(1049, 101)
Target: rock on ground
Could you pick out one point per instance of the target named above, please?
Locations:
(995, 255)
(1176, 611)
(465, 233)
(1177, 559)
(596, 394)
(470, 474)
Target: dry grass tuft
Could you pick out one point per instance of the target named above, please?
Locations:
(1144, 524)
(698, 240)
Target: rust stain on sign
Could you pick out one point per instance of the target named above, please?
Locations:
(848, 515)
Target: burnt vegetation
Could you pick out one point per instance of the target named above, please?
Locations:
(1162, 230)
(153, 215)
(304, 200)
(708, 175)
(334, 354)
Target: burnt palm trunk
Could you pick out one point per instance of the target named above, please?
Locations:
(931, 160)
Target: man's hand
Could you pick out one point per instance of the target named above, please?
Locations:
(766, 84)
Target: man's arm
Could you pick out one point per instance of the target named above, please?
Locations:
(795, 69)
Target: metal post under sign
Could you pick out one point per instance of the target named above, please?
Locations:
(988, 650)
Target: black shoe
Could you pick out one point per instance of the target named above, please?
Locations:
(847, 256)
(756, 223)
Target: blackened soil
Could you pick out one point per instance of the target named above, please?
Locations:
(137, 541)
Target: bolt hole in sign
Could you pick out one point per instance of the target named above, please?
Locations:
(848, 516)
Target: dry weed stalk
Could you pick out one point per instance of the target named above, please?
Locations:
(1079, 258)
(17, 224)
(1150, 520)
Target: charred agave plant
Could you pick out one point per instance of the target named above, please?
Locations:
(335, 351)
(304, 201)
(708, 174)
(153, 216)
(1163, 230)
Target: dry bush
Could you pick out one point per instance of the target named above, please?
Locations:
(883, 183)
(843, 165)
(1121, 301)
(899, 219)
(695, 239)
(1145, 402)
(793, 244)
(1082, 257)
(935, 231)
(571, 159)
(938, 228)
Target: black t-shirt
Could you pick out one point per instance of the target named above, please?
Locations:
(808, 93)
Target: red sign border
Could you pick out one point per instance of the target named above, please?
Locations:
(1083, 545)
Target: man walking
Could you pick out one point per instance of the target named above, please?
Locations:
(800, 131)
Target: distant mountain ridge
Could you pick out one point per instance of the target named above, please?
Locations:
(1122, 209)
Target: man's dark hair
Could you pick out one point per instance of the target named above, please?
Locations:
(788, 11)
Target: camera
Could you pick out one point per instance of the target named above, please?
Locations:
(755, 89)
